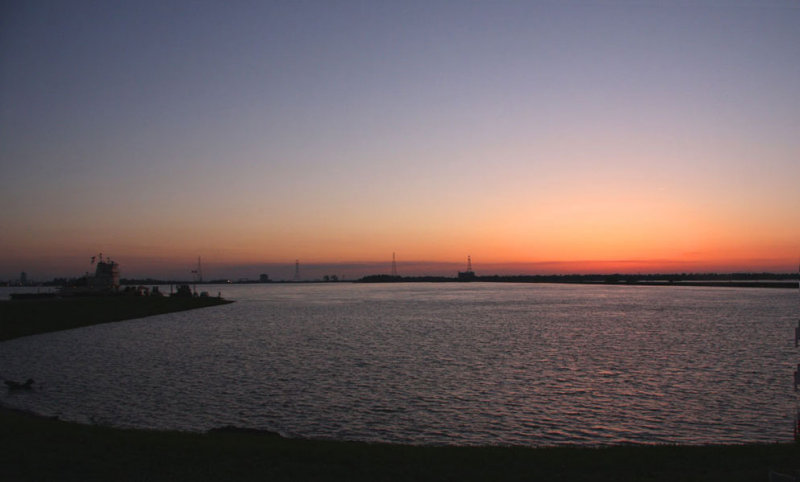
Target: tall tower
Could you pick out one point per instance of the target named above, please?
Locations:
(394, 266)
(297, 270)
(198, 273)
(467, 275)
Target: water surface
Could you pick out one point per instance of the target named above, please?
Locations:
(453, 363)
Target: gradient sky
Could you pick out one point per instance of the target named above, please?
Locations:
(537, 137)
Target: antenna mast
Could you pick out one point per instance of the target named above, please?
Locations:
(297, 270)
(394, 266)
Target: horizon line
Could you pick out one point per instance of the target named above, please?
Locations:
(138, 267)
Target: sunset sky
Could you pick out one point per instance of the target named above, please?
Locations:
(538, 137)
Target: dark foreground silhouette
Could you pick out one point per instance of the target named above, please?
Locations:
(35, 448)
(15, 385)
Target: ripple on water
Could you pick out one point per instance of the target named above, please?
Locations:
(435, 364)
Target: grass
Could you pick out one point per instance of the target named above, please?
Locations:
(34, 448)
(31, 317)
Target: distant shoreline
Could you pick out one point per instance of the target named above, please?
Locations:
(741, 279)
(589, 280)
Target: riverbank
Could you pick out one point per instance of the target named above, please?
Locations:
(35, 448)
(33, 316)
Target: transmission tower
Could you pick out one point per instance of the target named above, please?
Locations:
(297, 270)
(469, 264)
(394, 266)
(198, 275)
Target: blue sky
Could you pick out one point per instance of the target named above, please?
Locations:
(339, 132)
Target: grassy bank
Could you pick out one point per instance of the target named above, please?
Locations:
(30, 317)
(33, 448)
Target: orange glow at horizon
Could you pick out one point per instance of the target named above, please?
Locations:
(635, 231)
(522, 139)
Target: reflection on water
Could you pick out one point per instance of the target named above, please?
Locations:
(436, 364)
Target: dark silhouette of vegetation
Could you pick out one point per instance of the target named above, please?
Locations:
(382, 278)
(467, 276)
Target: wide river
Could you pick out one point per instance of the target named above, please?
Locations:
(427, 363)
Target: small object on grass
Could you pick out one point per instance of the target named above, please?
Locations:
(12, 385)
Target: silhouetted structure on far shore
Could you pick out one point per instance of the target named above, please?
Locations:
(467, 275)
